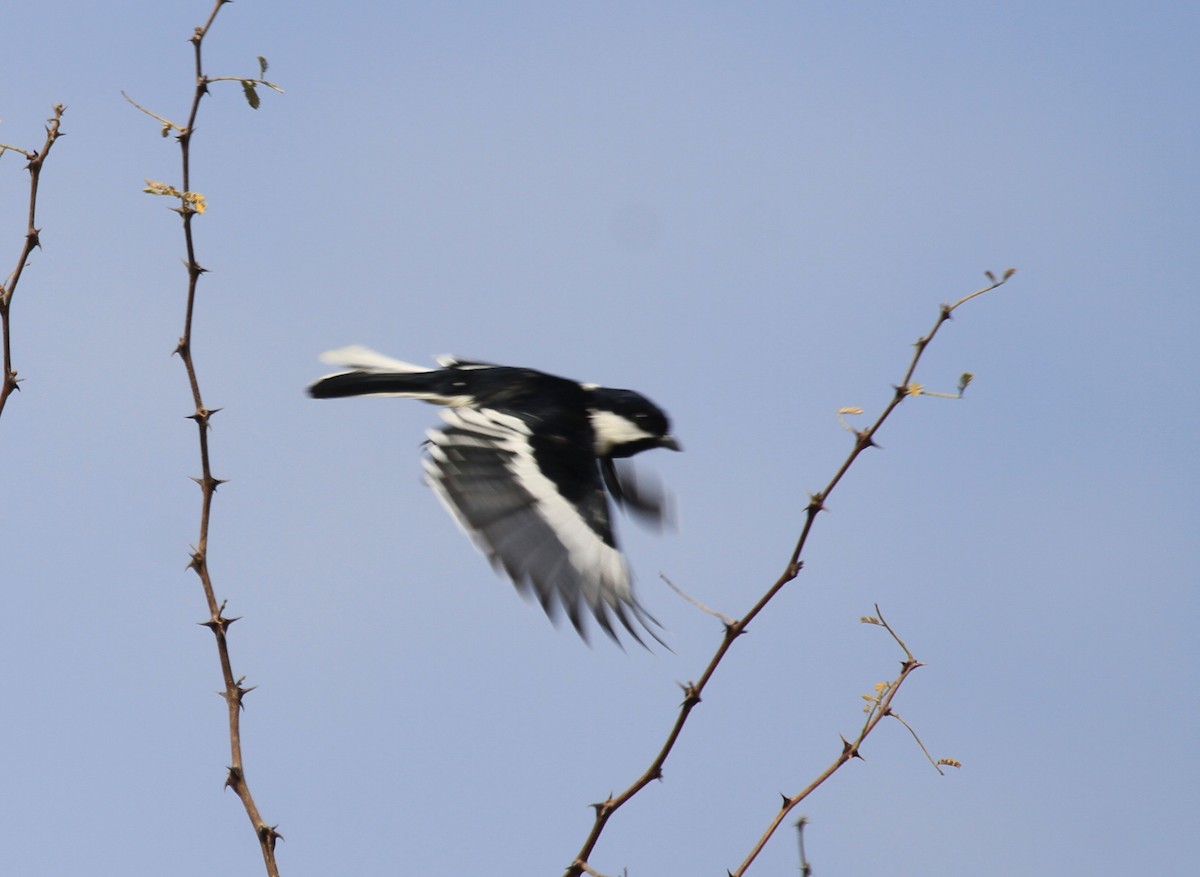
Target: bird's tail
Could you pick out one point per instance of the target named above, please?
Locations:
(359, 358)
(373, 374)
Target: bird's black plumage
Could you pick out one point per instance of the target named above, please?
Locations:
(524, 463)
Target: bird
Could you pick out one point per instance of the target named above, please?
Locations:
(526, 463)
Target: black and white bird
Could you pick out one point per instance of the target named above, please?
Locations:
(524, 463)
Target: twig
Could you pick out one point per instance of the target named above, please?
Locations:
(234, 692)
(805, 867)
(693, 691)
(895, 715)
(168, 125)
(8, 381)
(725, 619)
(882, 622)
(881, 707)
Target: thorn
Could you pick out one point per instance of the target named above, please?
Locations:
(690, 694)
(202, 414)
(269, 834)
(220, 623)
(849, 749)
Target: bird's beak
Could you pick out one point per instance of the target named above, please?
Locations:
(670, 443)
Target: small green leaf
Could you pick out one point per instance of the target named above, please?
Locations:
(262, 67)
(251, 94)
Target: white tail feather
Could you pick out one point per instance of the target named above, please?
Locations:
(361, 358)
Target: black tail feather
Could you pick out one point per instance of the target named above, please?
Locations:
(375, 384)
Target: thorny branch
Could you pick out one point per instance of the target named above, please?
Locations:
(864, 439)
(880, 707)
(8, 380)
(234, 691)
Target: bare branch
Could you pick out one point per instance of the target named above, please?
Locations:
(880, 707)
(862, 440)
(8, 379)
(234, 693)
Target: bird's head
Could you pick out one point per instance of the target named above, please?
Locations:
(626, 423)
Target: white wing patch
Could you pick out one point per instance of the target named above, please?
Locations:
(484, 470)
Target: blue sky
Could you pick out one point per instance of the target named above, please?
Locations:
(748, 214)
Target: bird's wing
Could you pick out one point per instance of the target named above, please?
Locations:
(537, 509)
(645, 500)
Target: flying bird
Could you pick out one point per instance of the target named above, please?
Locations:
(525, 463)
